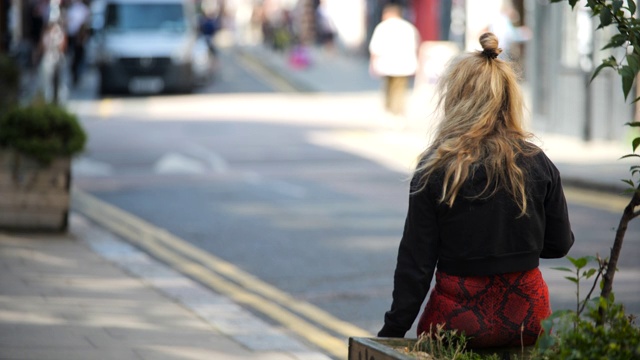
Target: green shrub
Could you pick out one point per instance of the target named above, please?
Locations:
(583, 338)
(42, 131)
(597, 329)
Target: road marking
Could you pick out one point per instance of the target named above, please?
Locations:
(215, 161)
(259, 70)
(597, 199)
(222, 276)
(177, 163)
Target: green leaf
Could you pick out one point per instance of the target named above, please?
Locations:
(573, 3)
(632, 6)
(589, 273)
(572, 279)
(605, 17)
(633, 124)
(629, 155)
(635, 143)
(616, 5)
(616, 41)
(600, 67)
(630, 182)
(562, 268)
(627, 83)
(625, 71)
(610, 62)
(547, 325)
(634, 62)
(579, 263)
(628, 76)
(545, 342)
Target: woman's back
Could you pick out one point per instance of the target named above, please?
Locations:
(485, 206)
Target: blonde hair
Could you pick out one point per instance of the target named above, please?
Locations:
(482, 124)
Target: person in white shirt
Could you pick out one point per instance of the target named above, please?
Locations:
(394, 49)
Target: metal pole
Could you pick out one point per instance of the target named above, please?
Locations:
(585, 29)
(588, 116)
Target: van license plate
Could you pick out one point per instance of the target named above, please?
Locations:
(146, 84)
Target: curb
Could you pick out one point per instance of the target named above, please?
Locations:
(595, 186)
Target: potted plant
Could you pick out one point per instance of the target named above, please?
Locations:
(438, 344)
(37, 142)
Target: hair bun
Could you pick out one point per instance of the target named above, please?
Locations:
(489, 43)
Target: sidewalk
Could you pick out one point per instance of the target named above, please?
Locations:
(593, 165)
(88, 295)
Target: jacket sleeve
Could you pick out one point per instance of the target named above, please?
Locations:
(558, 237)
(417, 258)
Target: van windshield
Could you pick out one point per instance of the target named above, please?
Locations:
(143, 17)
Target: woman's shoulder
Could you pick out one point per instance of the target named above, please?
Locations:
(535, 157)
(424, 176)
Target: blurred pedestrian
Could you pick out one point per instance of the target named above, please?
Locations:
(39, 17)
(485, 205)
(77, 21)
(51, 55)
(502, 25)
(326, 28)
(394, 50)
(210, 24)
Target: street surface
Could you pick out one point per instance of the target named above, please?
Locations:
(301, 191)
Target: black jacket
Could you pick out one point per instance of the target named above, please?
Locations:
(476, 237)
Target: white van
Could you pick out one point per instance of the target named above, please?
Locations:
(149, 46)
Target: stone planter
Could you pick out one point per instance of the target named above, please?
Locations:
(378, 348)
(385, 349)
(33, 197)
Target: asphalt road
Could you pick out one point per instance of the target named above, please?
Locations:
(264, 181)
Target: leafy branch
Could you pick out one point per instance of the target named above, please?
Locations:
(578, 265)
(623, 18)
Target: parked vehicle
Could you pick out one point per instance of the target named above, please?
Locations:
(149, 46)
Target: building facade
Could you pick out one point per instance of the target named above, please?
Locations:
(561, 56)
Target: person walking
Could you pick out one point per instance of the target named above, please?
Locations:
(210, 25)
(485, 205)
(77, 21)
(394, 56)
(52, 63)
(326, 28)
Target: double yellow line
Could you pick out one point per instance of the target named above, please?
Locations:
(223, 277)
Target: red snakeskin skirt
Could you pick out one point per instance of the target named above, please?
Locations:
(498, 310)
